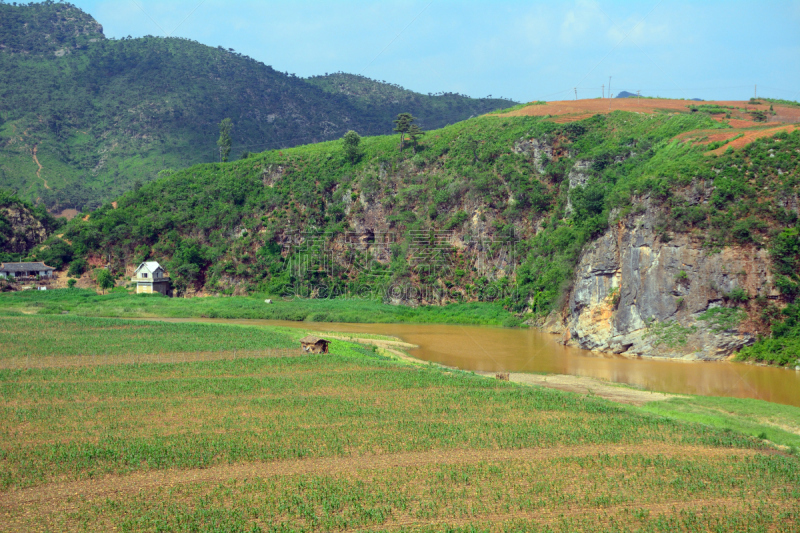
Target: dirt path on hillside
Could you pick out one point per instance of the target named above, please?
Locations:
(53, 494)
(36, 160)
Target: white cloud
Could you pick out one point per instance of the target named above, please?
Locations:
(581, 21)
(635, 31)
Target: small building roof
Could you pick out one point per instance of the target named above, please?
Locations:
(152, 266)
(311, 339)
(24, 267)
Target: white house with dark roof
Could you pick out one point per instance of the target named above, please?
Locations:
(26, 270)
(151, 277)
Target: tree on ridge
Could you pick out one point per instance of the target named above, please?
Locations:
(351, 141)
(225, 140)
(401, 125)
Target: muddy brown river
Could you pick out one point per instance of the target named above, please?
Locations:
(530, 350)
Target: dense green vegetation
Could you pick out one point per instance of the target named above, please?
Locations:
(353, 441)
(122, 304)
(104, 116)
(188, 215)
(381, 101)
(44, 28)
(285, 222)
(781, 101)
(783, 347)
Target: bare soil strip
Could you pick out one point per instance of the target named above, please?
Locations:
(549, 516)
(376, 342)
(585, 385)
(140, 481)
(69, 361)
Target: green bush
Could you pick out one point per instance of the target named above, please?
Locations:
(723, 318)
(456, 220)
(77, 267)
(737, 295)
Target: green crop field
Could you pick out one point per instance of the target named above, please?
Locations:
(123, 304)
(346, 441)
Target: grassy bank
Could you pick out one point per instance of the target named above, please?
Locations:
(123, 304)
(765, 420)
(349, 441)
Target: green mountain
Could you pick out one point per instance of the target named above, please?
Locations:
(381, 99)
(84, 118)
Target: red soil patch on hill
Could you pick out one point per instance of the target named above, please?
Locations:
(571, 118)
(607, 105)
(710, 136)
(739, 123)
(751, 136)
(786, 114)
(573, 110)
(722, 136)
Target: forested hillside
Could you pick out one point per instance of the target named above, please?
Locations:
(84, 118)
(382, 100)
(496, 207)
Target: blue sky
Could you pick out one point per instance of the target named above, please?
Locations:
(521, 50)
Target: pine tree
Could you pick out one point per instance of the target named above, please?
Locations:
(351, 140)
(401, 125)
(225, 140)
(414, 133)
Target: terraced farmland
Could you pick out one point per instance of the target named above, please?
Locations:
(352, 441)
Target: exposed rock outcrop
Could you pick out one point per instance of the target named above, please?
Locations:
(578, 177)
(23, 230)
(540, 152)
(637, 294)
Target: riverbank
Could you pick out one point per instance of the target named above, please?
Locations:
(36, 341)
(777, 423)
(123, 304)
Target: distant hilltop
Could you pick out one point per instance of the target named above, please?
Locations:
(626, 94)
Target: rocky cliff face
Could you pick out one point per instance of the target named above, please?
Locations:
(20, 230)
(638, 294)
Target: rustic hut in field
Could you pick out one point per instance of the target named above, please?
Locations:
(26, 271)
(312, 344)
